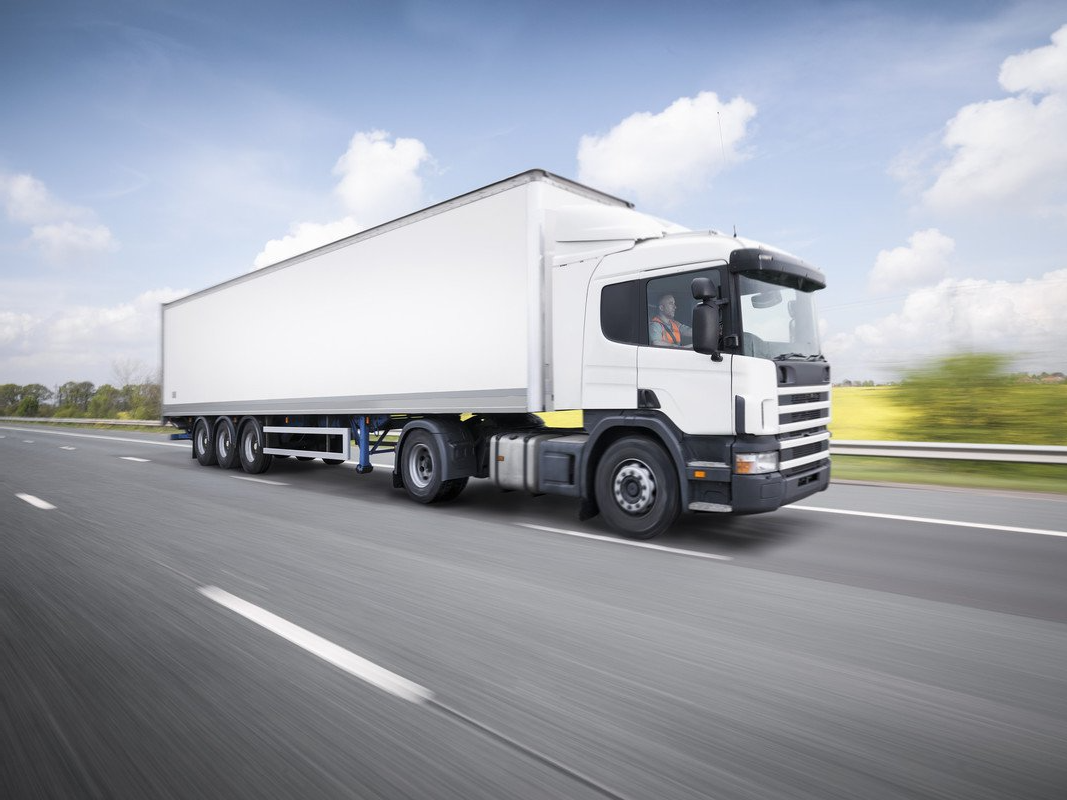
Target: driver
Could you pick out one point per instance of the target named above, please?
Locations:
(663, 329)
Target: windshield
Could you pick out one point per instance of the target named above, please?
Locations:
(779, 322)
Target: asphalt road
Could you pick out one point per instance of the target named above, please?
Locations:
(170, 630)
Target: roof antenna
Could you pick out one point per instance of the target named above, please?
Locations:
(722, 144)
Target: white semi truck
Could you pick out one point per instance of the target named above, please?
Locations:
(693, 356)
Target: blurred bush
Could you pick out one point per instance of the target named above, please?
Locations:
(971, 397)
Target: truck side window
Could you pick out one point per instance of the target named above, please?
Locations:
(669, 303)
(618, 312)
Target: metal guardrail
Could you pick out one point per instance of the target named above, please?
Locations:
(140, 423)
(955, 451)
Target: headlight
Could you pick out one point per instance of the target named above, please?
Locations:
(755, 463)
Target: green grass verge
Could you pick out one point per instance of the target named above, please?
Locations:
(967, 474)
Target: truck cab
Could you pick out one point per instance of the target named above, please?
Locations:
(741, 417)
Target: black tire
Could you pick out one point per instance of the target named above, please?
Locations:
(305, 458)
(333, 462)
(204, 444)
(226, 443)
(637, 488)
(250, 448)
(420, 468)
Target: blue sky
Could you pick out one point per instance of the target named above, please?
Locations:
(915, 151)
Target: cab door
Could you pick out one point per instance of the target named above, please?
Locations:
(694, 391)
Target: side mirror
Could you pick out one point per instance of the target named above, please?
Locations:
(706, 321)
(706, 318)
(703, 289)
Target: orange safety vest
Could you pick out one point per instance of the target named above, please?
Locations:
(671, 332)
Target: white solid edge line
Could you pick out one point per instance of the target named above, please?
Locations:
(98, 436)
(932, 521)
(138, 460)
(627, 542)
(326, 650)
(258, 480)
(35, 501)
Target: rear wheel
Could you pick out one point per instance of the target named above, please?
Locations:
(420, 468)
(250, 448)
(637, 488)
(226, 443)
(203, 445)
(333, 462)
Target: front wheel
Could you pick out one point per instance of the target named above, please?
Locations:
(637, 488)
(420, 468)
(250, 448)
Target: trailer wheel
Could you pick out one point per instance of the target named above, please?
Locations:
(637, 488)
(333, 462)
(203, 446)
(226, 443)
(250, 448)
(420, 468)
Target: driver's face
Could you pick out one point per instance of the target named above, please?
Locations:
(668, 306)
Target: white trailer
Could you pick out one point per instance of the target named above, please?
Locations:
(453, 326)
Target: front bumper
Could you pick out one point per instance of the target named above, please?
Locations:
(755, 494)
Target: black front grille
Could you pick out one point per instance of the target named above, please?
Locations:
(797, 399)
(803, 416)
(805, 450)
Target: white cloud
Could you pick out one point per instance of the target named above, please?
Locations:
(924, 261)
(1040, 70)
(380, 180)
(60, 231)
(661, 157)
(13, 327)
(1024, 319)
(28, 201)
(303, 237)
(65, 240)
(1010, 152)
(81, 342)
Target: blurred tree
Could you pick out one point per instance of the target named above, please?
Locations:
(10, 394)
(28, 406)
(970, 397)
(72, 398)
(105, 402)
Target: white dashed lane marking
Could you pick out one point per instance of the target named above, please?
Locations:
(259, 480)
(626, 542)
(134, 458)
(323, 648)
(35, 501)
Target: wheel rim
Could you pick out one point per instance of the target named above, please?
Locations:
(634, 487)
(420, 466)
(223, 445)
(251, 446)
(201, 439)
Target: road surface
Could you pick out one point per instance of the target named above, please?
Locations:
(170, 630)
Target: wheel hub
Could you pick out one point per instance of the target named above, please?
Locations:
(634, 487)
